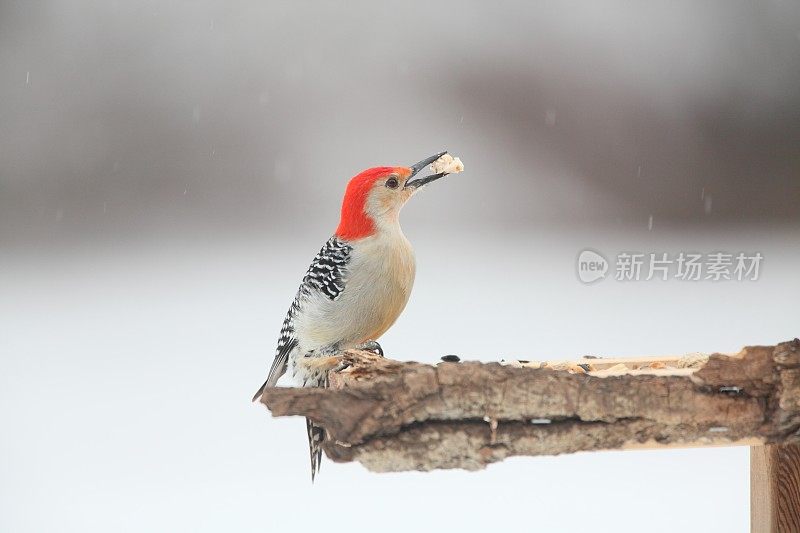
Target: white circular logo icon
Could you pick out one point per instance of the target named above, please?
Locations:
(591, 266)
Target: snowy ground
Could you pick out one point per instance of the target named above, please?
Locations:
(126, 374)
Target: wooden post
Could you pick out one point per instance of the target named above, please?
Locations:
(775, 488)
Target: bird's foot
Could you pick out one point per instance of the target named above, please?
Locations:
(371, 346)
(322, 365)
(318, 369)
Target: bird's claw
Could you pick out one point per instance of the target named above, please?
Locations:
(372, 346)
(343, 364)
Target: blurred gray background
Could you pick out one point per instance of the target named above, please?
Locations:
(168, 169)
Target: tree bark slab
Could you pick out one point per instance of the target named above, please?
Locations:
(393, 416)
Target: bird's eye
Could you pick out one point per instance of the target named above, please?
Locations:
(392, 183)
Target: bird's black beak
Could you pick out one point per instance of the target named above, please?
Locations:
(415, 168)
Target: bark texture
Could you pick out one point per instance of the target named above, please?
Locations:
(394, 416)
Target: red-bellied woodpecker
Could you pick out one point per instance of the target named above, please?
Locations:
(356, 286)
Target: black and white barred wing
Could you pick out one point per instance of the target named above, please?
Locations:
(326, 275)
(328, 271)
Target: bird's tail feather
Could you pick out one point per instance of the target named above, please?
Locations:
(278, 367)
(260, 390)
(315, 436)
